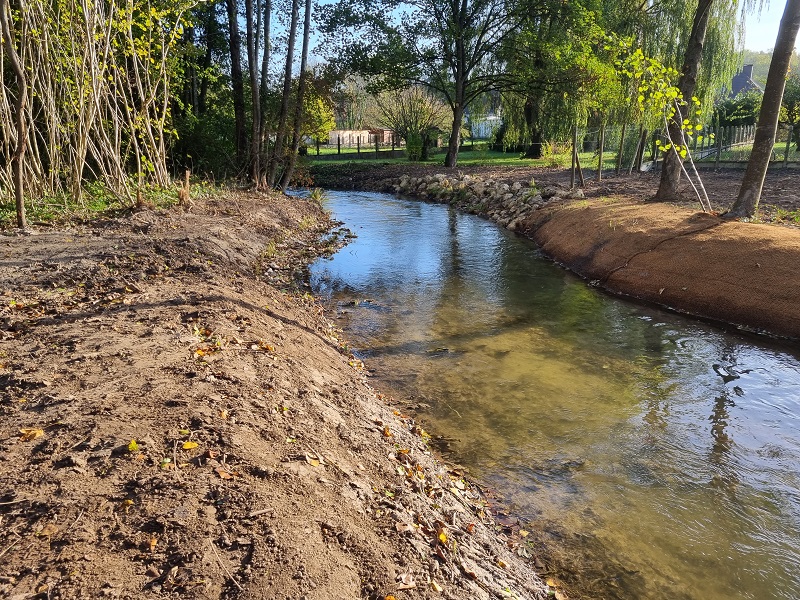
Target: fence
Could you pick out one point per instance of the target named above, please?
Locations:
(626, 148)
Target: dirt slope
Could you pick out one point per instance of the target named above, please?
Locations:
(741, 273)
(175, 425)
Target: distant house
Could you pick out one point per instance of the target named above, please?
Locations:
(349, 137)
(482, 127)
(743, 82)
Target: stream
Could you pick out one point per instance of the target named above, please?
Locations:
(654, 455)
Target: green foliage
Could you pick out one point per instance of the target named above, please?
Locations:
(414, 146)
(741, 110)
(658, 98)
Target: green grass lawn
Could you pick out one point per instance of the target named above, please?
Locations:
(484, 158)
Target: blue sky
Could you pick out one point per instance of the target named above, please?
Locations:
(760, 31)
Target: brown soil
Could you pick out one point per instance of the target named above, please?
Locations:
(670, 254)
(176, 424)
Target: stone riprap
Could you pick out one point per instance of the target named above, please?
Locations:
(507, 204)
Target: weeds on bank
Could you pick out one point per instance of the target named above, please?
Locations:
(96, 200)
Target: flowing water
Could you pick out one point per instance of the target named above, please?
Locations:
(656, 455)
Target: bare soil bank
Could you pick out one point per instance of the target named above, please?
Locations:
(670, 254)
(176, 424)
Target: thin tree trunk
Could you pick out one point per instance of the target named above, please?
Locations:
(265, 83)
(746, 203)
(18, 158)
(298, 109)
(237, 81)
(280, 134)
(210, 30)
(255, 96)
(669, 185)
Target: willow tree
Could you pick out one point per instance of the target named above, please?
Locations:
(746, 202)
(20, 105)
(99, 77)
(707, 58)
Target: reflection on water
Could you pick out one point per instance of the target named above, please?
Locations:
(658, 456)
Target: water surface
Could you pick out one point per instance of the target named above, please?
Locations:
(658, 456)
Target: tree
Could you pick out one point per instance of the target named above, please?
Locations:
(746, 202)
(413, 114)
(302, 82)
(20, 119)
(283, 116)
(791, 106)
(668, 188)
(738, 111)
(449, 47)
(318, 120)
(237, 80)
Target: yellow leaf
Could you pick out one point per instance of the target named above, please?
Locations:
(442, 536)
(127, 503)
(436, 587)
(153, 542)
(223, 414)
(133, 446)
(30, 433)
(190, 445)
(224, 474)
(386, 432)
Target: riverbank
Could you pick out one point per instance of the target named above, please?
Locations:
(737, 274)
(179, 421)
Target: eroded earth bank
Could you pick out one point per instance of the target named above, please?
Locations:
(175, 423)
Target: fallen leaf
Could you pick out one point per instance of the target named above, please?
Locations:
(502, 564)
(524, 533)
(441, 535)
(386, 432)
(48, 530)
(224, 474)
(406, 581)
(190, 445)
(30, 433)
(133, 446)
(312, 459)
(390, 597)
(153, 542)
(404, 527)
(127, 503)
(436, 587)
(470, 528)
(184, 431)
(223, 414)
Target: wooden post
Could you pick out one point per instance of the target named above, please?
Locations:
(358, 145)
(621, 148)
(580, 171)
(788, 147)
(338, 144)
(574, 156)
(718, 139)
(600, 160)
(377, 146)
(317, 146)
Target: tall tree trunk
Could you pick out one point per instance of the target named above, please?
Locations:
(280, 134)
(20, 124)
(668, 188)
(532, 115)
(265, 81)
(255, 96)
(298, 107)
(746, 203)
(210, 27)
(237, 81)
